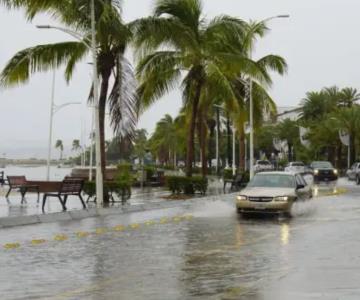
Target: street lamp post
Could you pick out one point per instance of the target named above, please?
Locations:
(251, 158)
(53, 110)
(92, 48)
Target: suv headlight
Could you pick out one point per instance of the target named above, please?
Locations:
(281, 198)
(241, 198)
(335, 171)
(316, 172)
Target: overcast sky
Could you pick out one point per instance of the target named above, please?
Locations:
(320, 43)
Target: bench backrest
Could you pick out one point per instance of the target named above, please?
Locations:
(16, 181)
(71, 186)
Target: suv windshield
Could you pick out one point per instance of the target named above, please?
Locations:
(272, 180)
(322, 164)
(263, 162)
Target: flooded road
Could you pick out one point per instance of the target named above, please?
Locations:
(205, 251)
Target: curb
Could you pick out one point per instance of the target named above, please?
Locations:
(76, 215)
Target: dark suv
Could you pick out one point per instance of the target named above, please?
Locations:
(323, 171)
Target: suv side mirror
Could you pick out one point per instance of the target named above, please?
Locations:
(300, 186)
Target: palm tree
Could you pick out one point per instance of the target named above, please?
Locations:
(59, 145)
(76, 145)
(289, 130)
(112, 37)
(347, 119)
(164, 139)
(178, 44)
(349, 96)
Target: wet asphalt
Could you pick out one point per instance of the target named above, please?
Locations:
(205, 251)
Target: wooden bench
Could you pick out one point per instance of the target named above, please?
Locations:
(20, 183)
(68, 187)
(235, 182)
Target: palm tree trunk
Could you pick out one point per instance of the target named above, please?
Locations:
(228, 129)
(191, 135)
(102, 108)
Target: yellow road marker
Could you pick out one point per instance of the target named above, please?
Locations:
(100, 231)
(135, 226)
(176, 219)
(12, 246)
(119, 228)
(38, 242)
(149, 223)
(163, 220)
(60, 237)
(82, 234)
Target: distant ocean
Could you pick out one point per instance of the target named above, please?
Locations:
(37, 172)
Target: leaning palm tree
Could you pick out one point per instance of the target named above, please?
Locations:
(177, 44)
(60, 146)
(117, 90)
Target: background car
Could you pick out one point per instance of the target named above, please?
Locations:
(295, 167)
(273, 192)
(354, 172)
(263, 165)
(324, 171)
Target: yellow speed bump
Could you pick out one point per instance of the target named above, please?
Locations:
(60, 237)
(12, 246)
(38, 242)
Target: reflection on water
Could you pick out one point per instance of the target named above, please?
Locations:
(285, 234)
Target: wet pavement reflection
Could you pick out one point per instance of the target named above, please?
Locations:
(215, 254)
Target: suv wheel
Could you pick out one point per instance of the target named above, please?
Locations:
(357, 179)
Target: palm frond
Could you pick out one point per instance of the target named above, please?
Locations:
(188, 12)
(152, 32)
(123, 100)
(274, 63)
(37, 59)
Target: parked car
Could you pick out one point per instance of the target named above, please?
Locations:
(354, 173)
(273, 192)
(295, 167)
(263, 165)
(323, 171)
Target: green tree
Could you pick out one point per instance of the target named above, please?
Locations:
(140, 143)
(117, 88)
(178, 44)
(60, 146)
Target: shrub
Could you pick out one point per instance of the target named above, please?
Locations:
(187, 185)
(228, 174)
